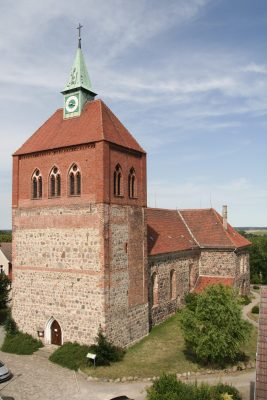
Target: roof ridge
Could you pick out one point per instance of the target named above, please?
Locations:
(187, 227)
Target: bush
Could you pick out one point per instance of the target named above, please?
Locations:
(256, 287)
(3, 315)
(215, 330)
(191, 300)
(21, 343)
(105, 351)
(245, 300)
(4, 290)
(168, 388)
(10, 325)
(70, 355)
(255, 310)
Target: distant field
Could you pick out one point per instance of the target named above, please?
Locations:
(259, 231)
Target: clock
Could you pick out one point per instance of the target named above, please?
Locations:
(72, 104)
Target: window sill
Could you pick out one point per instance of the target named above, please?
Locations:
(133, 198)
(118, 195)
(37, 198)
(74, 195)
(54, 197)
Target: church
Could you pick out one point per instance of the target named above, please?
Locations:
(87, 251)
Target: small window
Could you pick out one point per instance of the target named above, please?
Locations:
(75, 181)
(132, 184)
(155, 295)
(55, 183)
(172, 285)
(117, 181)
(37, 185)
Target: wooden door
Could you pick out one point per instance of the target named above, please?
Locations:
(55, 333)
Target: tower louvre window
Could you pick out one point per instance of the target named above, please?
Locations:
(75, 181)
(132, 192)
(118, 181)
(55, 183)
(37, 185)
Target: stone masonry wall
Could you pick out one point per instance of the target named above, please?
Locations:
(58, 269)
(126, 292)
(162, 265)
(76, 301)
(217, 263)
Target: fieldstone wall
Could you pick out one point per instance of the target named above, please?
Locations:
(218, 263)
(181, 263)
(76, 301)
(242, 280)
(126, 294)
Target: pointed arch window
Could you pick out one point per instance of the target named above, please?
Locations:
(172, 284)
(155, 294)
(75, 181)
(55, 183)
(118, 181)
(37, 185)
(132, 192)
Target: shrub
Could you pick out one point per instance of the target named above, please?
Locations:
(255, 310)
(191, 300)
(70, 355)
(105, 351)
(168, 388)
(256, 287)
(3, 315)
(215, 330)
(245, 300)
(21, 343)
(221, 389)
(10, 325)
(4, 290)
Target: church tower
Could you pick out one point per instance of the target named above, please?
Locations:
(79, 229)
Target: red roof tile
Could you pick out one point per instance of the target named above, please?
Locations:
(166, 232)
(261, 363)
(96, 123)
(204, 281)
(6, 249)
(206, 226)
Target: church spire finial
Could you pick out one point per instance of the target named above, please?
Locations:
(79, 38)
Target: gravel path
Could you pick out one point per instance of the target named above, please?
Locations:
(249, 307)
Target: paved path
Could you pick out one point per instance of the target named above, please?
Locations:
(2, 335)
(248, 308)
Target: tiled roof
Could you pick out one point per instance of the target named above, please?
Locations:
(206, 225)
(175, 230)
(204, 281)
(261, 365)
(96, 123)
(166, 232)
(6, 249)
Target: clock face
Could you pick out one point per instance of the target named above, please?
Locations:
(72, 104)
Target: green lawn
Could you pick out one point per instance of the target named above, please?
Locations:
(161, 351)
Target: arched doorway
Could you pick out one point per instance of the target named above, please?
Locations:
(56, 333)
(53, 332)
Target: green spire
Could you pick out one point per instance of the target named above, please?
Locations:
(79, 77)
(79, 88)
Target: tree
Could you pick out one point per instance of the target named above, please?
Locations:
(4, 290)
(213, 327)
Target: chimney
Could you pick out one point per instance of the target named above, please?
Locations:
(224, 215)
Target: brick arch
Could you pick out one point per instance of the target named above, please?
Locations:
(74, 179)
(54, 182)
(47, 332)
(36, 184)
(155, 289)
(172, 284)
(118, 181)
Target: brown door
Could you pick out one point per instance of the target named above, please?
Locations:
(55, 333)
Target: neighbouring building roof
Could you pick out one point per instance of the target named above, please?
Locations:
(96, 123)
(175, 230)
(6, 249)
(261, 365)
(204, 281)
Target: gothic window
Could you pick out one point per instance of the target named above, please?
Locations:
(155, 296)
(37, 185)
(55, 183)
(118, 182)
(132, 184)
(75, 181)
(172, 284)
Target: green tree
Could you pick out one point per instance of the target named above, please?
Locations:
(214, 329)
(5, 236)
(4, 290)
(258, 259)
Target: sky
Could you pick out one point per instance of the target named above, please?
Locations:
(188, 78)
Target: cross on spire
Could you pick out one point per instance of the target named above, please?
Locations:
(79, 38)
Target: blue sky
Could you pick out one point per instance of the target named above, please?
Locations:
(188, 78)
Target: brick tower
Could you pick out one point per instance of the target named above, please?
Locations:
(79, 229)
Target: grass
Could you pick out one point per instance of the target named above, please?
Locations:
(21, 343)
(161, 351)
